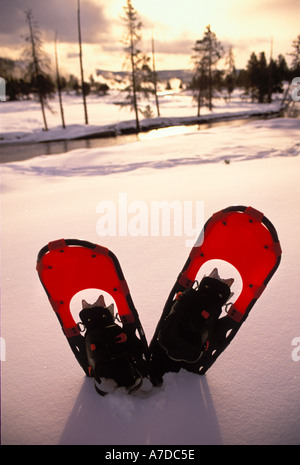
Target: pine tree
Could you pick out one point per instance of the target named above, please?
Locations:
(140, 71)
(252, 74)
(264, 79)
(131, 40)
(295, 54)
(208, 51)
(282, 68)
(278, 72)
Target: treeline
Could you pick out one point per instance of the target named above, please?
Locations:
(22, 88)
(261, 78)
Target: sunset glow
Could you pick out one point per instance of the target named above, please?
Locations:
(249, 26)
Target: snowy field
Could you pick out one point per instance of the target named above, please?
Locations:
(251, 395)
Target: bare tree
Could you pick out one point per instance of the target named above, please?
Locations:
(230, 72)
(81, 65)
(37, 61)
(58, 83)
(155, 77)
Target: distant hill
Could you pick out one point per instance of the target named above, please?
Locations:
(184, 74)
(163, 76)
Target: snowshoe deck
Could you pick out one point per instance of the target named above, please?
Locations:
(243, 237)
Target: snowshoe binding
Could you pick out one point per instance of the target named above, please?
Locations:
(186, 331)
(111, 360)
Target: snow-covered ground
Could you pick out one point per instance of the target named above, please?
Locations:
(22, 121)
(251, 395)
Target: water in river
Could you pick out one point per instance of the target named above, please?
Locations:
(25, 151)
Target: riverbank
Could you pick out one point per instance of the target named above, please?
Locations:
(21, 121)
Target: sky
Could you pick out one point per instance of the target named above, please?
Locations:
(247, 26)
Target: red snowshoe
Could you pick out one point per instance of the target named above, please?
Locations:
(106, 350)
(192, 332)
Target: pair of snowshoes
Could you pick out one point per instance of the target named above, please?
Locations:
(198, 321)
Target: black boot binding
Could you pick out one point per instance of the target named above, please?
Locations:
(186, 331)
(109, 351)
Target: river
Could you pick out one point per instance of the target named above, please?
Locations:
(24, 151)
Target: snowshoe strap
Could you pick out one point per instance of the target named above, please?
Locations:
(110, 354)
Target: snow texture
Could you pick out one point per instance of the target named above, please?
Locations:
(251, 395)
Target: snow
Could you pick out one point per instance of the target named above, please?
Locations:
(106, 117)
(251, 395)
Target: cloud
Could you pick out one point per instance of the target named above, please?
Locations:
(53, 15)
(175, 47)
